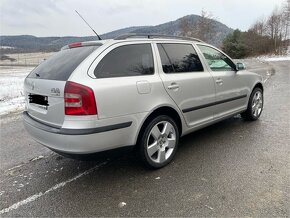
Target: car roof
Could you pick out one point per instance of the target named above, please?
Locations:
(135, 37)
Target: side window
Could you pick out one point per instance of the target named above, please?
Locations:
(179, 58)
(127, 60)
(216, 60)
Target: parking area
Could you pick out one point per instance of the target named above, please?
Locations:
(233, 168)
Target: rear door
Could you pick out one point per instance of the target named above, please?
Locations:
(125, 81)
(231, 93)
(44, 86)
(186, 81)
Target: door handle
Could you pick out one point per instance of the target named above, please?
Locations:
(173, 86)
(219, 81)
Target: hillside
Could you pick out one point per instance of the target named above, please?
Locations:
(28, 43)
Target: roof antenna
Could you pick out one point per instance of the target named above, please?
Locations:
(88, 25)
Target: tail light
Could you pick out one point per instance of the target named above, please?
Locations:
(79, 100)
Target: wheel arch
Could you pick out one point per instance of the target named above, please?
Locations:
(258, 85)
(247, 114)
(163, 110)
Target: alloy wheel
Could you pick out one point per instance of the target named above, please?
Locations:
(161, 142)
(257, 104)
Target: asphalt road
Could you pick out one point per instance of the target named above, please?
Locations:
(233, 168)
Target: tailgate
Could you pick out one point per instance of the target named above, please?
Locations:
(44, 100)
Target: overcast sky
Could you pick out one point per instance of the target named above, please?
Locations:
(57, 17)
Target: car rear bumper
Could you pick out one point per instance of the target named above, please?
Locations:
(81, 141)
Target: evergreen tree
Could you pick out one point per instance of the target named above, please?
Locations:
(233, 45)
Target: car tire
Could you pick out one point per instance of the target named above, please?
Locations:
(255, 105)
(158, 142)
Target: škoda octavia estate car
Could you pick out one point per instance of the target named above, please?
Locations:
(135, 90)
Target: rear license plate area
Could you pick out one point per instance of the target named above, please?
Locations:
(38, 99)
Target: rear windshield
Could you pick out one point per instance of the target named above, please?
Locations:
(61, 65)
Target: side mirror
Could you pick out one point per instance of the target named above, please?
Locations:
(240, 66)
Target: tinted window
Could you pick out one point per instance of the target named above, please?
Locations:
(179, 58)
(127, 60)
(61, 65)
(166, 64)
(216, 60)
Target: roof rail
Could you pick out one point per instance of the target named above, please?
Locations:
(154, 36)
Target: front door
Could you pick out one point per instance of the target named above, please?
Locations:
(231, 94)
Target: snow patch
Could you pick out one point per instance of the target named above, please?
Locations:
(7, 47)
(281, 58)
(274, 58)
(122, 204)
(36, 158)
(11, 88)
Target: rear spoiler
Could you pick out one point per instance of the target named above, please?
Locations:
(82, 44)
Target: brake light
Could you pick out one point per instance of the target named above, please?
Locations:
(79, 99)
(75, 45)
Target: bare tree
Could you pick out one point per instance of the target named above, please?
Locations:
(259, 27)
(270, 35)
(184, 27)
(206, 28)
(286, 19)
(275, 29)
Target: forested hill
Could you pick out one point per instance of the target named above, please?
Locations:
(29, 43)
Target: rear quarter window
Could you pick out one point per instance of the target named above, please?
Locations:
(61, 65)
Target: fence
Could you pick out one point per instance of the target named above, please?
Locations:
(24, 59)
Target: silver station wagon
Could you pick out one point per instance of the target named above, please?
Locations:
(144, 91)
